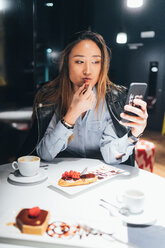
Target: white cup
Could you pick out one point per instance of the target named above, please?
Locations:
(134, 200)
(28, 166)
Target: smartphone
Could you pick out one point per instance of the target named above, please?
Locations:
(136, 91)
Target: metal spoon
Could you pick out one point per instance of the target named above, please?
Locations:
(84, 171)
(123, 210)
(44, 166)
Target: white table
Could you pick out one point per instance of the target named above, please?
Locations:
(83, 207)
(19, 119)
(20, 115)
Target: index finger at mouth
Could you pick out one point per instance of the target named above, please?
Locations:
(89, 87)
(87, 90)
(81, 89)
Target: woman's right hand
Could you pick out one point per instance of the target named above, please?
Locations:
(83, 100)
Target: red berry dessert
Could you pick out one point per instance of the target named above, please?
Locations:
(33, 220)
(73, 178)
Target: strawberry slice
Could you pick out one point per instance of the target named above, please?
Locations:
(75, 175)
(66, 173)
(34, 212)
(71, 174)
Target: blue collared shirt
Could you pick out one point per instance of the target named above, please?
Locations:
(94, 137)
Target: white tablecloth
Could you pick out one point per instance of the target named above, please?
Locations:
(84, 206)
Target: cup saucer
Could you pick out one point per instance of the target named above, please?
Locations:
(146, 217)
(16, 177)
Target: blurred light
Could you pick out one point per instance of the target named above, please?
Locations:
(49, 4)
(5, 5)
(147, 34)
(2, 5)
(55, 55)
(134, 3)
(121, 38)
(48, 50)
(134, 46)
(20, 126)
(154, 69)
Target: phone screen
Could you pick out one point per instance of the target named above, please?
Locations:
(136, 91)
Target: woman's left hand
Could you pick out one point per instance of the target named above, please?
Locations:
(139, 122)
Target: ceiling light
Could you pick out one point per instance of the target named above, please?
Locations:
(134, 45)
(2, 5)
(48, 50)
(154, 69)
(121, 38)
(134, 3)
(49, 4)
(147, 34)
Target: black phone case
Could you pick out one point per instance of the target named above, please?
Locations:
(136, 91)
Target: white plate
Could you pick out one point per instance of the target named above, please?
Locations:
(101, 167)
(16, 177)
(11, 235)
(147, 217)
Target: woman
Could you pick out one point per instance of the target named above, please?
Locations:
(78, 113)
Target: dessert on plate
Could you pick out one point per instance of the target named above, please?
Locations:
(32, 220)
(60, 229)
(73, 178)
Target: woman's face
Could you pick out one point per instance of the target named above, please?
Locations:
(84, 63)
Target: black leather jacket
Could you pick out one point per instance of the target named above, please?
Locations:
(115, 99)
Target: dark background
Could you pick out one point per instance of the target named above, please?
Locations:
(29, 27)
